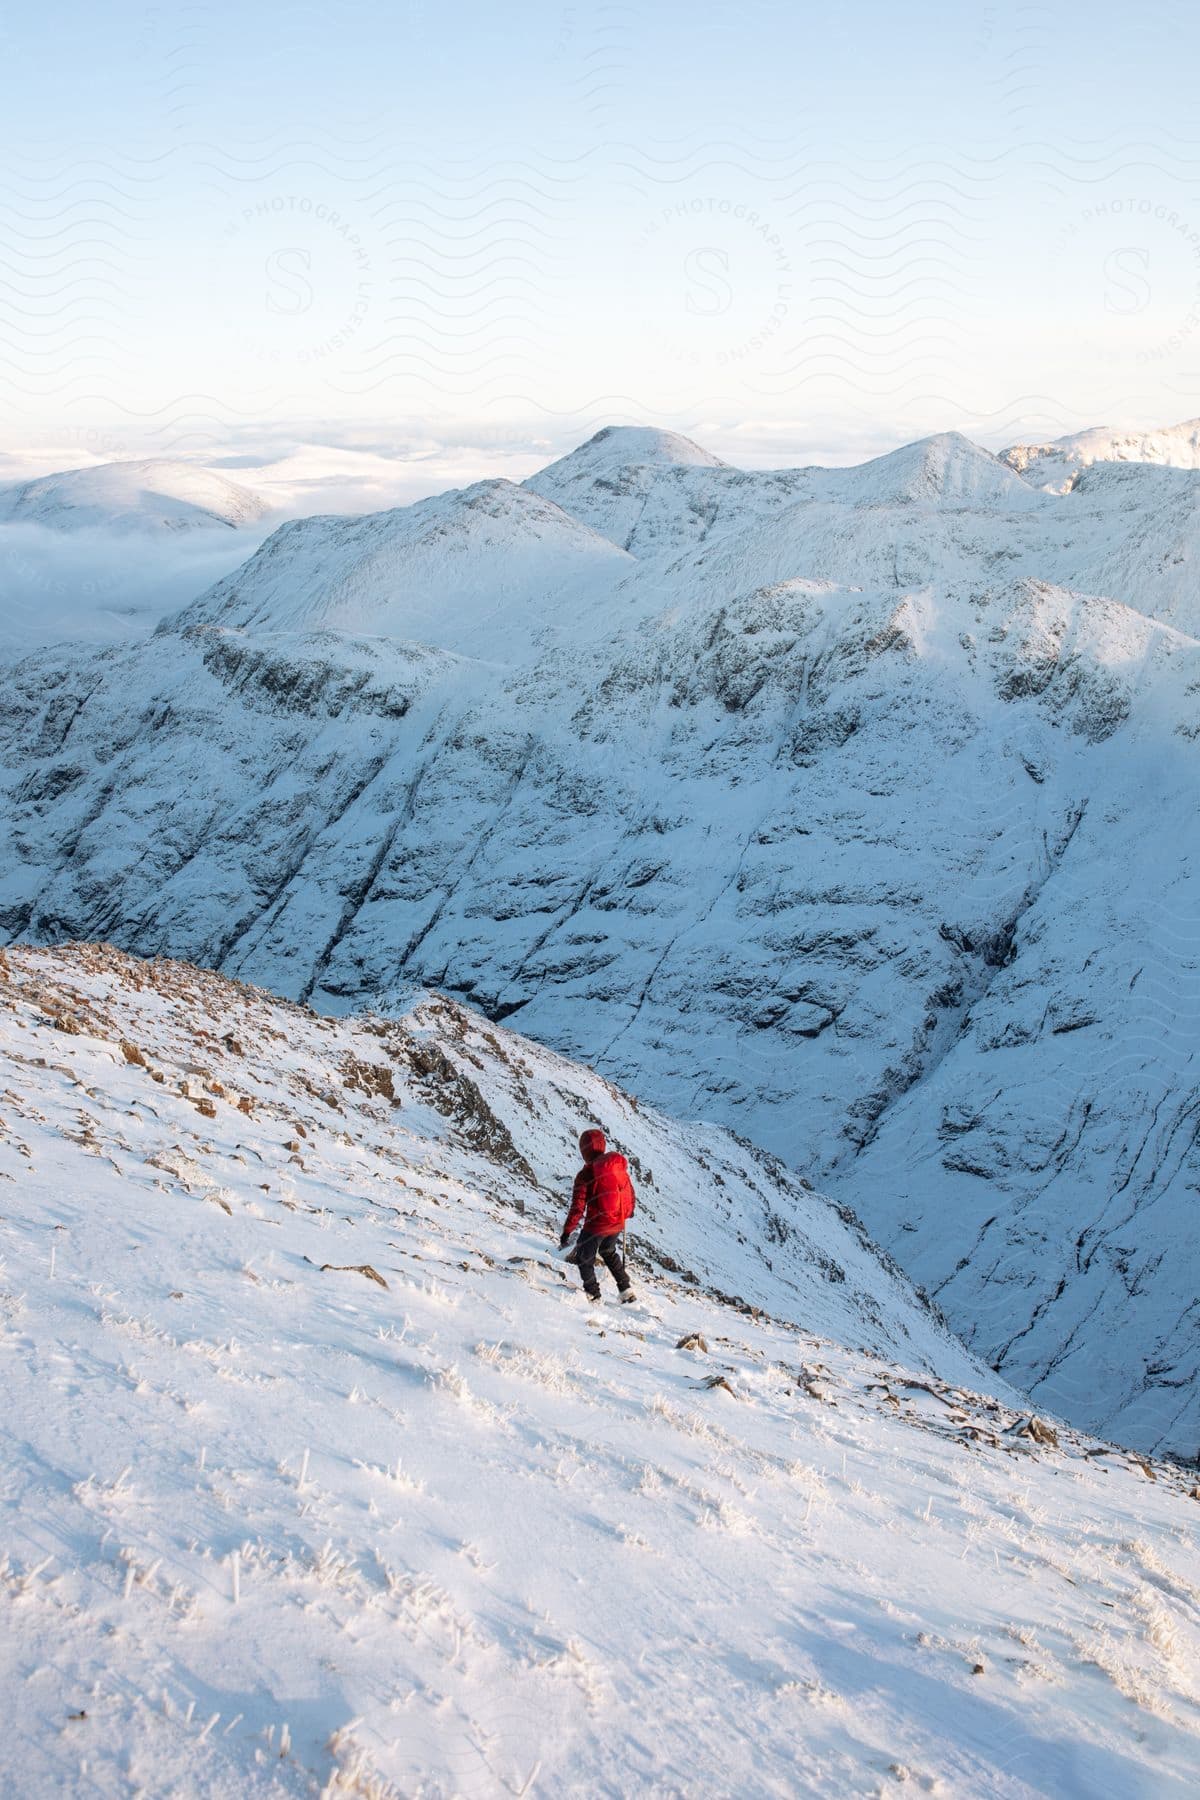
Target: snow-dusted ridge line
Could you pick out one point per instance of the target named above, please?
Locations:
(732, 1218)
(319, 1475)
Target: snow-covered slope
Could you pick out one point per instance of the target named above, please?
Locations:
(321, 1476)
(764, 817)
(945, 471)
(485, 566)
(711, 1207)
(156, 496)
(1056, 465)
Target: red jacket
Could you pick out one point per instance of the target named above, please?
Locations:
(603, 1195)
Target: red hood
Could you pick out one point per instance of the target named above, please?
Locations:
(591, 1145)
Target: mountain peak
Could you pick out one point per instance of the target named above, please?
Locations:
(635, 484)
(946, 467)
(621, 445)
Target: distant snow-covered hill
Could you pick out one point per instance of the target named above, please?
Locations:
(98, 555)
(157, 496)
(1056, 465)
(852, 808)
(319, 1474)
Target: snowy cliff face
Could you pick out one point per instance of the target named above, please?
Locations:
(321, 1476)
(157, 496)
(852, 808)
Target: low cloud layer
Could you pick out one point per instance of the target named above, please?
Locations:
(103, 587)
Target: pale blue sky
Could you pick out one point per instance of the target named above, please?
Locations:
(795, 232)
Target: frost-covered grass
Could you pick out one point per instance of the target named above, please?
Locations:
(273, 1529)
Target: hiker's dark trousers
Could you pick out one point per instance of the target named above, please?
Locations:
(586, 1252)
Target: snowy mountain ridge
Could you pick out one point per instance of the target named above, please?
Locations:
(1056, 466)
(851, 808)
(321, 1475)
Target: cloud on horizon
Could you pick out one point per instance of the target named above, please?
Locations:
(103, 587)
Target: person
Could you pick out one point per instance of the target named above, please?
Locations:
(602, 1199)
